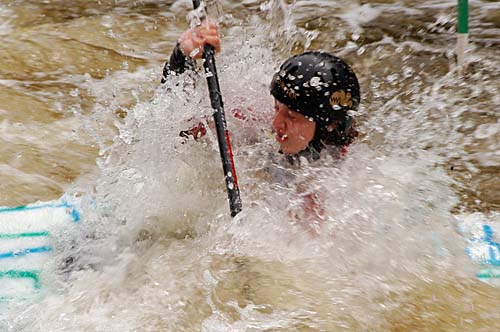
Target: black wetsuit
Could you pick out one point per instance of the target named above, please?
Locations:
(177, 64)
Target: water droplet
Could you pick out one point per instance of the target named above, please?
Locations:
(392, 78)
(361, 50)
(315, 81)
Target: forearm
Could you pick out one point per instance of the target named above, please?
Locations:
(177, 64)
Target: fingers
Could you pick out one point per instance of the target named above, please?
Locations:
(193, 41)
(208, 33)
(214, 41)
(190, 43)
(197, 40)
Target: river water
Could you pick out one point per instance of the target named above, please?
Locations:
(82, 114)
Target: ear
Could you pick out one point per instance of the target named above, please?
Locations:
(332, 126)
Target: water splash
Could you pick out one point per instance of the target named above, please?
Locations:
(157, 250)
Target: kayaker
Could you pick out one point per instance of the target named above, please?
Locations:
(314, 94)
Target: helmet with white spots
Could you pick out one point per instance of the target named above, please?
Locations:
(318, 85)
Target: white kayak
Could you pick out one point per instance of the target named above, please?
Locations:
(26, 234)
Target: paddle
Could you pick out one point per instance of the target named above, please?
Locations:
(226, 153)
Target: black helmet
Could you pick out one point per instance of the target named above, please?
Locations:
(317, 85)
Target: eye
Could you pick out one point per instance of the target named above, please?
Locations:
(292, 115)
(276, 107)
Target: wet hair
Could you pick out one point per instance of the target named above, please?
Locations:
(337, 136)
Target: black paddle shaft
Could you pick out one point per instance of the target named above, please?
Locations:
(226, 153)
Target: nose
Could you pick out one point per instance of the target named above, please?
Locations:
(278, 121)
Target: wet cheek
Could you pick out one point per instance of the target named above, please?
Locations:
(296, 132)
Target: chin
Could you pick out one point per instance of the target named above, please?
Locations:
(289, 151)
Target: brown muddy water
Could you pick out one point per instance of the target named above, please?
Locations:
(81, 111)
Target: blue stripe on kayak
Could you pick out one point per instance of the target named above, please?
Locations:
(488, 237)
(23, 235)
(488, 273)
(24, 252)
(75, 215)
(32, 207)
(493, 259)
(7, 299)
(493, 246)
(20, 274)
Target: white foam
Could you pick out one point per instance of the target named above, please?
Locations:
(16, 288)
(485, 131)
(360, 15)
(40, 261)
(6, 18)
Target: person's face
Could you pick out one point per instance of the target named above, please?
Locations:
(293, 130)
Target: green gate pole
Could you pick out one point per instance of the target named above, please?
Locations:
(462, 31)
